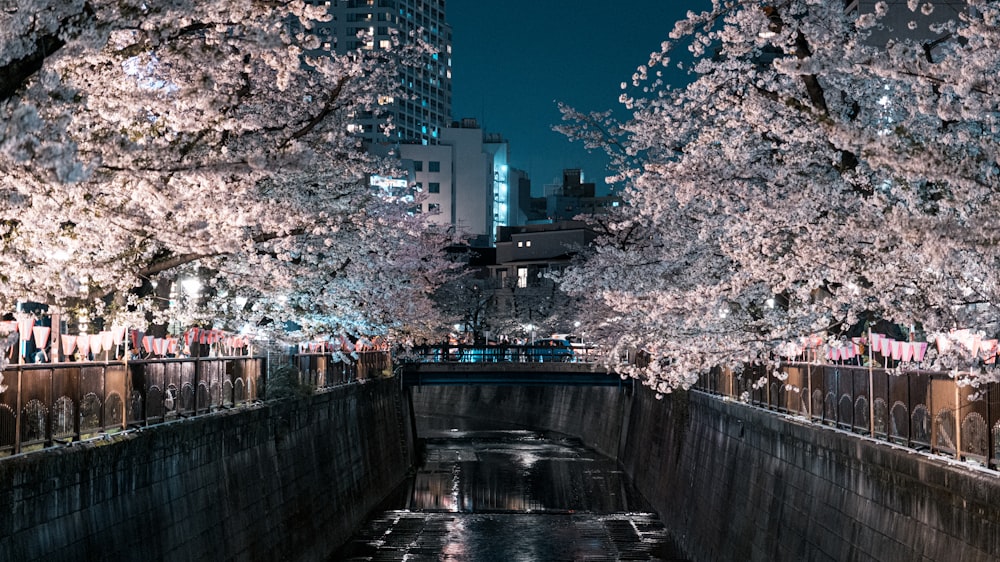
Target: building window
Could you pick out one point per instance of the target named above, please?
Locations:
(527, 243)
(418, 165)
(433, 166)
(522, 277)
(433, 187)
(433, 207)
(520, 244)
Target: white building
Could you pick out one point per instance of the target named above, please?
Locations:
(466, 179)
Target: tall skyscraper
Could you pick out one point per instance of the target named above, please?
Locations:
(370, 24)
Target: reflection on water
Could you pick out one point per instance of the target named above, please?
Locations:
(514, 496)
(518, 471)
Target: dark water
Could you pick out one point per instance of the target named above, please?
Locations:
(513, 496)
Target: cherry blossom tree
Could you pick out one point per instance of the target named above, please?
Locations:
(144, 142)
(810, 175)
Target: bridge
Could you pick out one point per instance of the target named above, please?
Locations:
(506, 366)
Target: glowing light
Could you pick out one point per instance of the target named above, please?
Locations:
(191, 285)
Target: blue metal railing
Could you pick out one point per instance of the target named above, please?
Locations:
(464, 353)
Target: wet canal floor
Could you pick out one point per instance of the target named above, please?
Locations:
(513, 496)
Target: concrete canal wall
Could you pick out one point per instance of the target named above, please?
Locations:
(293, 480)
(595, 414)
(736, 483)
(282, 481)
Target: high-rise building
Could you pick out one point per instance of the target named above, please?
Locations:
(425, 107)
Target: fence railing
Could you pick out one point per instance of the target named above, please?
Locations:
(47, 404)
(464, 353)
(322, 370)
(922, 410)
(51, 403)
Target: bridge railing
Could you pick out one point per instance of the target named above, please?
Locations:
(505, 353)
(923, 410)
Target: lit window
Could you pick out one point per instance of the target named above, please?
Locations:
(522, 277)
(520, 244)
(528, 243)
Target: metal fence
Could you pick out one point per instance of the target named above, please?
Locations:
(922, 410)
(322, 370)
(507, 353)
(48, 404)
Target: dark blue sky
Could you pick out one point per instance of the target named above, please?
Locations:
(513, 60)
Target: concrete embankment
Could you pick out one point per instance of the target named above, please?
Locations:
(293, 480)
(286, 480)
(738, 483)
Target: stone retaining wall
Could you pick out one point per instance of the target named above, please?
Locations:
(739, 483)
(287, 480)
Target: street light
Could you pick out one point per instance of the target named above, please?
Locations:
(531, 329)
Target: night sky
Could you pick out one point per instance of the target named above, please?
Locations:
(513, 60)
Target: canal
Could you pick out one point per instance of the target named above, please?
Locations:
(511, 495)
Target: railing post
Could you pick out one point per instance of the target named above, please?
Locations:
(197, 382)
(809, 391)
(17, 412)
(871, 389)
(958, 420)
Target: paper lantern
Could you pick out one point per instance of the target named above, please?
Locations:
(885, 346)
(24, 325)
(897, 350)
(83, 343)
(107, 340)
(908, 351)
(41, 334)
(119, 333)
(95, 343)
(68, 344)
